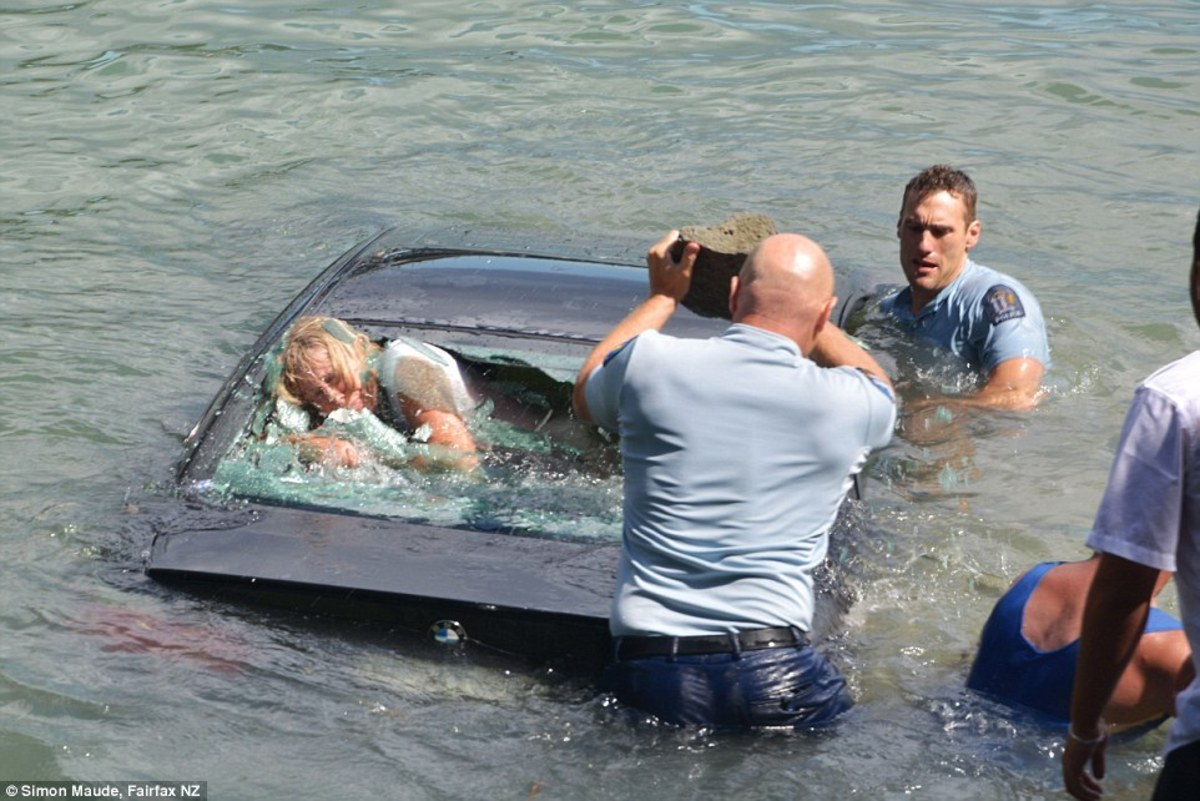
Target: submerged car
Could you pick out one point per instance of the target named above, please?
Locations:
(518, 556)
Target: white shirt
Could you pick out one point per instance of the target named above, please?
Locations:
(1150, 513)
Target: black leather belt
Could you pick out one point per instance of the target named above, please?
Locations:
(733, 642)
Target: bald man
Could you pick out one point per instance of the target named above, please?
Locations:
(738, 451)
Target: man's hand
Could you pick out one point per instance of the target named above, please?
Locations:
(1079, 783)
(667, 276)
(669, 282)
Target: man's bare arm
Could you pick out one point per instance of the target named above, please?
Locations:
(669, 282)
(1118, 604)
(833, 348)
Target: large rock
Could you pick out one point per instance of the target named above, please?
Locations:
(723, 248)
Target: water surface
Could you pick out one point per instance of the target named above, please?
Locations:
(175, 172)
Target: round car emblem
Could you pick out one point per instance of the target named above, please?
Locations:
(448, 632)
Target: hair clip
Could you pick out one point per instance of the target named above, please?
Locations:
(340, 331)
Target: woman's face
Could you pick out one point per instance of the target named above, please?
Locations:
(321, 387)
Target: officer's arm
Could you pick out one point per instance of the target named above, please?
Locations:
(1014, 384)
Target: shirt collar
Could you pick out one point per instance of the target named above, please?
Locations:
(760, 337)
(904, 299)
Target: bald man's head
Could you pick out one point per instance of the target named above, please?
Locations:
(785, 285)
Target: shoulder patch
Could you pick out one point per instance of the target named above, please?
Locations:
(1001, 303)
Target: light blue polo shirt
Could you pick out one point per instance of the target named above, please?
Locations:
(985, 317)
(738, 452)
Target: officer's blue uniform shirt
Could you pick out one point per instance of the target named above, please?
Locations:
(983, 316)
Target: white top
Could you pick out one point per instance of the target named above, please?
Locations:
(1150, 513)
(424, 373)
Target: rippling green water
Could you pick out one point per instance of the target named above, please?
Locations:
(174, 172)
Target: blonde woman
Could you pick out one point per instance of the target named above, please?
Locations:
(327, 366)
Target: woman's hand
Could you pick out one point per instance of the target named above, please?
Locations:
(329, 451)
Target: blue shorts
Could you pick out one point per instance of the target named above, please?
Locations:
(794, 687)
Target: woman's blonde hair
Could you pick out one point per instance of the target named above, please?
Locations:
(347, 350)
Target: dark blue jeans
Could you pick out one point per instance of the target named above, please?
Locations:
(1180, 777)
(779, 687)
